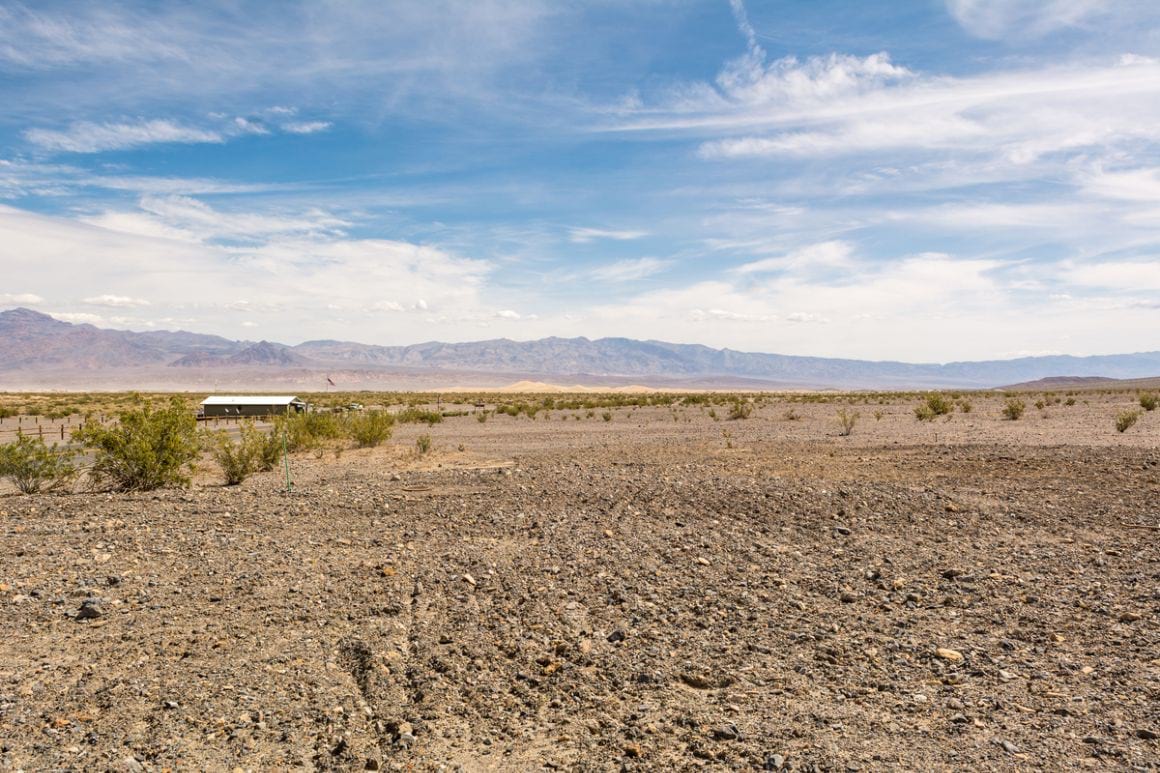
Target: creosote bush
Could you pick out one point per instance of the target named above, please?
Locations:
(1013, 409)
(371, 428)
(36, 467)
(423, 444)
(414, 415)
(740, 409)
(935, 405)
(1126, 419)
(249, 453)
(147, 448)
(847, 420)
(1149, 401)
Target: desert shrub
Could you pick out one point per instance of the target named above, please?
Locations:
(36, 467)
(740, 409)
(481, 417)
(607, 416)
(965, 406)
(1149, 401)
(6, 412)
(414, 415)
(423, 444)
(1039, 404)
(238, 458)
(878, 415)
(1126, 419)
(1013, 409)
(791, 415)
(146, 449)
(847, 420)
(935, 405)
(371, 428)
(309, 430)
(1069, 401)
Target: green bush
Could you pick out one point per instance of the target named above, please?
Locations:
(1013, 409)
(35, 467)
(309, 430)
(847, 420)
(936, 404)
(371, 428)
(239, 458)
(607, 415)
(419, 416)
(1149, 401)
(740, 409)
(423, 444)
(1126, 419)
(146, 449)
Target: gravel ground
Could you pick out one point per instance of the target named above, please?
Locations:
(645, 593)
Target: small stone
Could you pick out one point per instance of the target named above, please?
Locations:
(774, 762)
(1008, 747)
(848, 597)
(1146, 734)
(702, 561)
(90, 610)
(728, 732)
(615, 636)
(372, 764)
(131, 765)
(843, 530)
(953, 656)
(633, 750)
(467, 578)
(697, 681)
(1130, 617)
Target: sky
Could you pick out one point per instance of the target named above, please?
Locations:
(920, 180)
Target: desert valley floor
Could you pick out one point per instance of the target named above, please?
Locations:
(661, 591)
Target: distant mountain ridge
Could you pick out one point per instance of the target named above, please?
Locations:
(32, 342)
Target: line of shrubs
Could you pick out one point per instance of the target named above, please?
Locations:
(149, 448)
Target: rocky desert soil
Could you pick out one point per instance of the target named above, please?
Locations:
(658, 592)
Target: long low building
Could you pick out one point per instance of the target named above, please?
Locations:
(250, 405)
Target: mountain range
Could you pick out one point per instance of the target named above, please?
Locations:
(39, 351)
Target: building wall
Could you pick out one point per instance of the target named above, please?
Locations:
(244, 410)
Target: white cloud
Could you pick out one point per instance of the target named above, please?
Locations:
(995, 19)
(306, 127)
(187, 218)
(79, 317)
(115, 301)
(584, 235)
(1137, 276)
(630, 270)
(825, 255)
(23, 299)
(508, 314)
(88, 137)
(294, 277)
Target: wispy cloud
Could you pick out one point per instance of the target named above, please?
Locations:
(585, 235)
(995, 19)
(86, 137)
(630, 270)
(306, 127)
(115, 301)
(24, 299)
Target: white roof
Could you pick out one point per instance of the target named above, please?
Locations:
(250, 400)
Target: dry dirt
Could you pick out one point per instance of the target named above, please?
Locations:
(645, 593)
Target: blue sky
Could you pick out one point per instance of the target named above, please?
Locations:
(927, 180)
